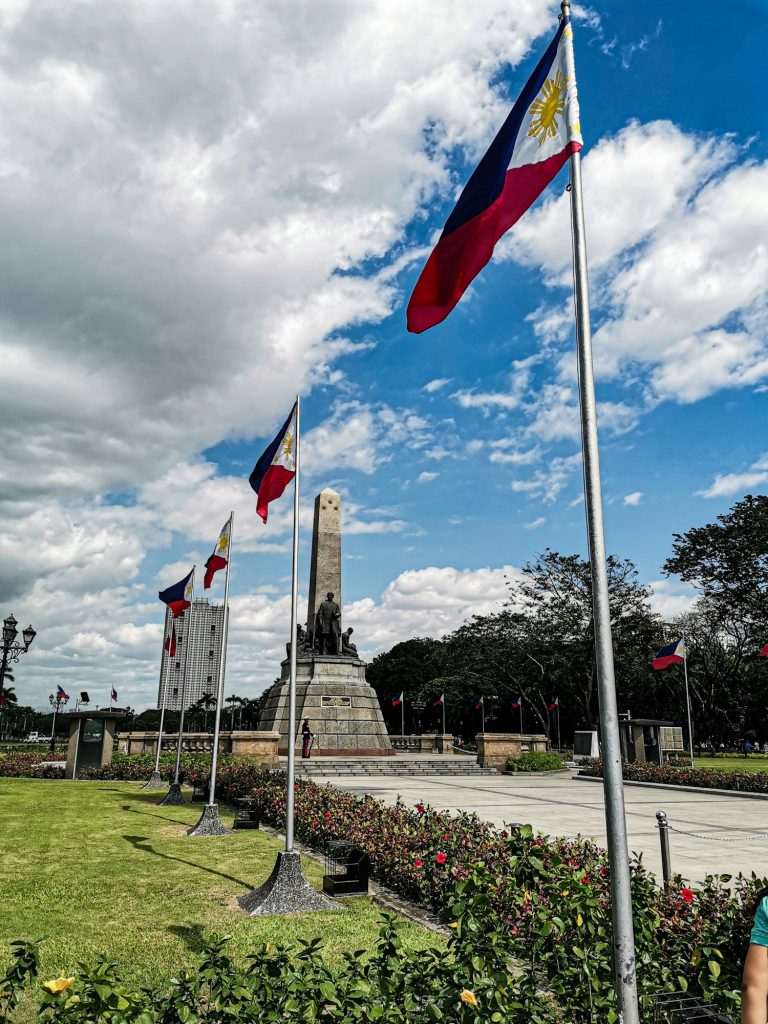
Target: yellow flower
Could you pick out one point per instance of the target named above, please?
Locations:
(454, 924)
(59, 984)
(268, 947)
(565, 892)
(468, 997)
(579, 920)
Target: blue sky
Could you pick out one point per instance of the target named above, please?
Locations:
(210, 211)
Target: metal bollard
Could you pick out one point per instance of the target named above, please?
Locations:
(666, 863)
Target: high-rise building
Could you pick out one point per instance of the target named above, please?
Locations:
(199, 634)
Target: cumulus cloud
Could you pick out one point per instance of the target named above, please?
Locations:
(436, 385)
(726, 484)
(634, 498)
(426, 477)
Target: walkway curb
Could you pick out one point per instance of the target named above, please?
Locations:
(685, 789)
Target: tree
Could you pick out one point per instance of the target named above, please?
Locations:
(406, 668)
(728, 560)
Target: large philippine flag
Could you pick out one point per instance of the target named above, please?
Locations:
(672, 654)
(220, 556)
(179, 596)
(276, 467)
(533, 144)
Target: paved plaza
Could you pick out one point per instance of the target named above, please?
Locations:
(567, 806)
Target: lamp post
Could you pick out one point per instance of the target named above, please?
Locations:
(56, 701)
(12, 650)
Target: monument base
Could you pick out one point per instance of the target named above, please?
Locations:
(155, 781)
(210, 824)
(342, 708)
(286, 891)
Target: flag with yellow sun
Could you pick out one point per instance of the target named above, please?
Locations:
(532, 145)
(220, 556)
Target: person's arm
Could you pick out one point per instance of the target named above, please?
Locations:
(754, 986)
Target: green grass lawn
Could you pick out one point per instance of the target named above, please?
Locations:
(734, 764)
(100, 869)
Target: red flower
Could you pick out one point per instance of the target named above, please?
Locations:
(420, 808)
(314, 823)
(418, 863)
(585, 879)
(441, 858)
(328, 815)
(447, 836)
(687, 895)
(296, 788)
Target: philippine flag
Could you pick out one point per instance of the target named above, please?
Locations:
(479, 703)
(763, 652)
(170, 642)
(553, 706)
(60, 692)
(179, 596)
(533, 144)
(276, 467)
(396, 701)
(114, 693)
(438, 701)
(673, 654)
(515, 703)
(220, 556)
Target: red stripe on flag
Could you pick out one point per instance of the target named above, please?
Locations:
(273, 483)
(212, 566)
(177, 607)
(460, 256)
(665, 662)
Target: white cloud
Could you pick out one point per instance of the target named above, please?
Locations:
(727, 484)
(670, 599)
(427, 477)
(634, 498)
(535, 523)
(548, 482)
(436, 385)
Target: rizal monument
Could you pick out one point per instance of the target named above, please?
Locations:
(331, 689)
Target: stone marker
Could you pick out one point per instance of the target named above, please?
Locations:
(331, 689)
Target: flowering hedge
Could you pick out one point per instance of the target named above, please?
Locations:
(704, 778)
(34, 766)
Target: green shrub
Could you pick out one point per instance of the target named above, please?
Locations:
(684, 775)
(535, 762)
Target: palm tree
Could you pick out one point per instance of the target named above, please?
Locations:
(7, 698)
(208, 701)
(232, 701)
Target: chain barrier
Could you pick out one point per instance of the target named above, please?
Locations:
(745, 837)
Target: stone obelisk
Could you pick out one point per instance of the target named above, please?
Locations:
(331, 690)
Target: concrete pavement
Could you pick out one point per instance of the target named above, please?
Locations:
(565, 806)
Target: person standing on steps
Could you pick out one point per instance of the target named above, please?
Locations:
(306, 739)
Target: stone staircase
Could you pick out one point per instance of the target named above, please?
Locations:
(399, 765)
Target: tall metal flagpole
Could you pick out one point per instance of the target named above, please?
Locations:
(521, 715)
(291, 774)
(618, 855)
(210, 823)
(688, 700)
(443, 714)
(402, 713)
(155, 781)
(173, 797)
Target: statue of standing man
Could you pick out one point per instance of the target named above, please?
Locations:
(328, 626)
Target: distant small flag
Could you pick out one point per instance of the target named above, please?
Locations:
(170, 642)
(672, 654)
(114, 693)
(764, 652)
(553, 706)
(276, 467)
(396, 701)
(479, 703)
(179, 596)
(220, 556)
(438, 701)
(60, 692)
(516, 702)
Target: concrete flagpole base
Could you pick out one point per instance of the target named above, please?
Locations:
(286, 891)
(210, 824)
(173, 798)
(155, 781)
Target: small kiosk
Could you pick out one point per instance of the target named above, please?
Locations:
(644, 740)
(91, 740)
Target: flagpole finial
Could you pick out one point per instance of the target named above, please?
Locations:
(565, 8)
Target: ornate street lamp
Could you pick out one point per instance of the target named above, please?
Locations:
(12, 650)
(56, 701)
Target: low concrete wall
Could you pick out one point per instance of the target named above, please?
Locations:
(423, 744)
(258, 746)
(494, 748)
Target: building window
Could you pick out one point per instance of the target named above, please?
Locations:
(213, 629)
(175, 691)
(210, 679)
(178, 665)
(210, 653)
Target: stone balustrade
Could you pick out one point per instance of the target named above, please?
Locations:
(494, 748)
(258, 746)
(429, 744)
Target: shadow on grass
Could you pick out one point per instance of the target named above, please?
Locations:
(193, 937)
(143, 844)
(150, 814)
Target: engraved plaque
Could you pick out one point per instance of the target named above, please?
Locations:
(335, 702)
